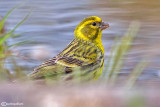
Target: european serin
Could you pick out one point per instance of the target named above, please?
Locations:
(84, 55)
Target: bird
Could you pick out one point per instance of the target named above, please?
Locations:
(82, 59)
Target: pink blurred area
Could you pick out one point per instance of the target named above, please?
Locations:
(29, 95)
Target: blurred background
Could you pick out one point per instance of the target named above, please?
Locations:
(47, 31)
(51, 25)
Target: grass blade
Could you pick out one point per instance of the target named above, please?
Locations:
(136, 73)
(20, 43)
(9, 33)
(123, 48)
(6, 16)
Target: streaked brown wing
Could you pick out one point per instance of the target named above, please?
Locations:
(57, 66)
(50, 62)
(69, 61)
(73, 56)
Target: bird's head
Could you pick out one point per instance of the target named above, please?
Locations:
(90, 28)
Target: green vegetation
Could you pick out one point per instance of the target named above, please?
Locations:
(5, 51)
(118, 53)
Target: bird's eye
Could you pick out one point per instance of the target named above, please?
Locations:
(94, 24)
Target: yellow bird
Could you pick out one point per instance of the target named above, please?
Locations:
(83, 58)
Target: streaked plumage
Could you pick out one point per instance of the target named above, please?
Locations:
(84, 55)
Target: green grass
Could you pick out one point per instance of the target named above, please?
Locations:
(117, 55)
(5, 51)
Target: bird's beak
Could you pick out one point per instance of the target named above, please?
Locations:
(104, 25)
